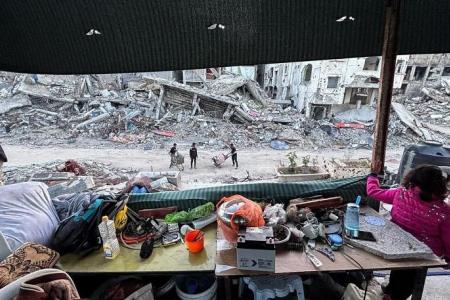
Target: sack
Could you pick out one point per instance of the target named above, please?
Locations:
(180, 159)
(352, 292)
(248, 210)
(79, 233)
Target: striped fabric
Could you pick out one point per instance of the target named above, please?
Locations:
(348, 188)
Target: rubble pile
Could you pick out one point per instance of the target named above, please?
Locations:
(127, 109)
(102, 174)
(428, 113)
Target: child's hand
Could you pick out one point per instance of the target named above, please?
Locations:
(379, 176)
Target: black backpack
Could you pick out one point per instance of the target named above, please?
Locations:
(79, 233)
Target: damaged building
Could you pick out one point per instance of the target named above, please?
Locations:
(423, 70)
(323, 88)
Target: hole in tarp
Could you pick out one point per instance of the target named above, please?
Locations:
(93, 32)
(216, 26)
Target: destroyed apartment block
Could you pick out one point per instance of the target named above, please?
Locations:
(210, 101)
(125, 104)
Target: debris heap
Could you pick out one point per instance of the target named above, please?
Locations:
(128, 109)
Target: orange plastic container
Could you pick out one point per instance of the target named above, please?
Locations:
(194, 240)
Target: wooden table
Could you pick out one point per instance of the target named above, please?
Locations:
(171, 259)
(295, 262)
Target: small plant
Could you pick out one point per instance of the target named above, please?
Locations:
(306, 159)
(292, 157)
(315, 161)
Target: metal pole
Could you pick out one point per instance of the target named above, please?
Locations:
(390, 41)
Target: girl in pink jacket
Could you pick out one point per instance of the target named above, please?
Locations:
(419, 208)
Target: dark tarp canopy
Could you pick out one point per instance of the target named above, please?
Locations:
(50, 36)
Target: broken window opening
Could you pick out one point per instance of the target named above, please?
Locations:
(307, 72)
(403, 88)
(446, 71)
(359, 95)
(274, 92)
(408, 72)
(371, 63)
(320, 112)
(419, 74)
(432, 74)
(333, 82)
(399, 66)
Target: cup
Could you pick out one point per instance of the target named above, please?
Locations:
(194, 240)
(311, 231)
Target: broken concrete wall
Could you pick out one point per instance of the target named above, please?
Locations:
(323, 82)
(248, 72)
(18, 101)
(424, 69)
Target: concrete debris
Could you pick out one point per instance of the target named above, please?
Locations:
(172, 177)
(364, 114)
(429, 113)
(435, 95)
(52, 176)
(8, 104)
(411, 121)
(128, 109)
(163, 184)
(102, 174)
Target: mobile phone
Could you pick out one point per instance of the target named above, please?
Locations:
(363, 235)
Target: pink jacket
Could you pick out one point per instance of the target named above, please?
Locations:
(427, 221)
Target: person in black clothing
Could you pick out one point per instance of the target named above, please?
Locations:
(3, 159)
(173, 156)
(193, 154)
(234, 156)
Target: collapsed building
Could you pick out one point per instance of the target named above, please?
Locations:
(326, 87)
(423, 70)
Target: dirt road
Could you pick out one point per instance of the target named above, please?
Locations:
(260, 163)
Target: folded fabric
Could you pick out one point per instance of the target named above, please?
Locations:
(26, 259)
(68, 204)
(144, 293)
(50, 287)
(27, 214)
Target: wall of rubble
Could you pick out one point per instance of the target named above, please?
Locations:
(125, 110)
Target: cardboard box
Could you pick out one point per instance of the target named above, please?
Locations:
(256, 249)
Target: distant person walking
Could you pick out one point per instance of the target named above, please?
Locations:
(3, 159)
(193, 154)
(173, 156)
(234, 155)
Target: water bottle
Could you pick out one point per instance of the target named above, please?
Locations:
(107, 230)
(351, 220)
